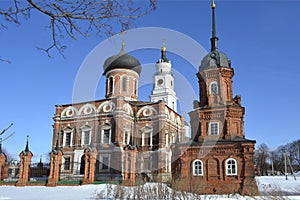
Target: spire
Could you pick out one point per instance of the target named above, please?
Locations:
(214, 39)
(123, 46)
(163, 57)
(27, 146)
(123, 43)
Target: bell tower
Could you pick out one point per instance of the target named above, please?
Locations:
(218, 115)
(164, 82)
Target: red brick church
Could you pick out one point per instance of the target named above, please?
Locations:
(119, 138)
(122, 139)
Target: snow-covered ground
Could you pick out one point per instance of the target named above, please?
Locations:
(269, 186)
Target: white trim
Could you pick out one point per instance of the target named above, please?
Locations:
(87, 109)
(194, 168)
(227, 167)
(70, 111)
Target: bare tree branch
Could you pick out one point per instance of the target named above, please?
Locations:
(4, 60)
(74, 18)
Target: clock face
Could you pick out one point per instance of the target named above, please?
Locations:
(160, 82)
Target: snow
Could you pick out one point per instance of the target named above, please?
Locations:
(275, 186)
(279, 184)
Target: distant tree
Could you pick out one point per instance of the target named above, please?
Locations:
(73, 18)
(260, 157)
(277, 158)
(294, 152)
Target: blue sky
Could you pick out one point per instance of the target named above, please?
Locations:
(260, 38)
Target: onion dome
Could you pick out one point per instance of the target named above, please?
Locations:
(122, 61)
(215, 58)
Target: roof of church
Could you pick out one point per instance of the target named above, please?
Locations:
(215, 58)
(26, 150)
(122, 60)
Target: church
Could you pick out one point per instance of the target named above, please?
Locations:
(122, 139)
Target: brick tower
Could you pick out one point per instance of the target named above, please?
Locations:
(25, 161)
(220, 159)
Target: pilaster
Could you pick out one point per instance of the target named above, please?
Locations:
(55, 163)
(25, 161)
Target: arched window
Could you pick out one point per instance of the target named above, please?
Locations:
(124, 84)
(111, 85)
(197, 168)
(231, 167)
(214, 89)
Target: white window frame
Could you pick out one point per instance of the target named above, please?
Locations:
(101, 162)
(102, 136)
(210, 87)
(102, 128)
(229, 167)
(147, 133)
(194, 168)
(210, 128)
(67, 130)
(83, 132)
